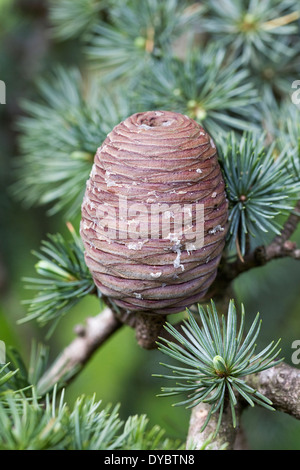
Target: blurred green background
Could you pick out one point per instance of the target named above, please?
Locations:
(120, 371)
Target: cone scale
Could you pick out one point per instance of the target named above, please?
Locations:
(154, 214)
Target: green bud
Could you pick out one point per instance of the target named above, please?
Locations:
(249, 18)
(191, 103)
(201, 114)
(220, 365)
(176, 92)
(140, 42)
(79, 155)
(47, 266)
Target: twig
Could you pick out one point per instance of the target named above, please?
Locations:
(280, 247)
(89, 338)
(281, 384)
(226, 436)
(282, 21)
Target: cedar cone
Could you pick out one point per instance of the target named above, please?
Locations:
(164, 160)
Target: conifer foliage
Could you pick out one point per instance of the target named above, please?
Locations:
(227, 65)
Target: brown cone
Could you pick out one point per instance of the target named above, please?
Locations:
(154, 161)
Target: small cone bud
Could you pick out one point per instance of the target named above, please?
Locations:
(219, 365)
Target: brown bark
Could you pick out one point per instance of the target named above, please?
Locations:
(226, 436)
(281, 384)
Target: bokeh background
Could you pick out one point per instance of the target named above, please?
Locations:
(120, 372)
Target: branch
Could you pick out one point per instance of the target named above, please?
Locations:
(289, 226)
(89, 338)
(280, 247)
(281, 384)
(226, 436)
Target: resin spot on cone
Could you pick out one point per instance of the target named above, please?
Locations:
(154, 214)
